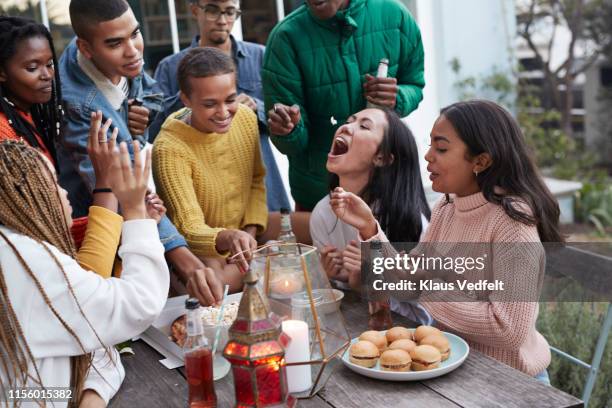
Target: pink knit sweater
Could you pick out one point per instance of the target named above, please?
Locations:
(503, 330)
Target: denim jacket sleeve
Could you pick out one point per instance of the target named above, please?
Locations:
(169, 235)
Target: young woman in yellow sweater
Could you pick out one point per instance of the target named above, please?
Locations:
(207, 163)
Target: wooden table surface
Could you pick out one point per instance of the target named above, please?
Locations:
(479, 382)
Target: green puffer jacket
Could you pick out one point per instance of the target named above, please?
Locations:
(321, 65)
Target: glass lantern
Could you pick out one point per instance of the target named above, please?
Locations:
(256, 349)
(298, 290)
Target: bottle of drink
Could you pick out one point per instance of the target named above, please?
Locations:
(286, 233)
(378, 302)
(383, 68)
(198, 360)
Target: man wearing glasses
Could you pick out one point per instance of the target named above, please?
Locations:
(216, 19)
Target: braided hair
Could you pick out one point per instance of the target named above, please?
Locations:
(48, 116)
(30, 205)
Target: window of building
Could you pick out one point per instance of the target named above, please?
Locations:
(258, 18)
(605, 75)
(154, 19)
(59, 24)
(530, 64)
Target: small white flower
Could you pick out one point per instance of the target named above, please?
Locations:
(333, 121)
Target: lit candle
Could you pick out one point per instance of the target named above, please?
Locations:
(298, 376)
(285, 286)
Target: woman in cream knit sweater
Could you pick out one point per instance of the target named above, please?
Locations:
(495, 196)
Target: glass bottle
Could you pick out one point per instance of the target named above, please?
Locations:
(378, 302)
(383, 68)
(286, 235)
(198, 360)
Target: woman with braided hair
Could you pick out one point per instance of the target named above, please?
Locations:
(30, 91)
(55, 314)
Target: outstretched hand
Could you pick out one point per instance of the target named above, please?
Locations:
(351, 209)
(129, 183)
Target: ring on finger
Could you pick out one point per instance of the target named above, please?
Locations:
(103, 140)
(275, 108)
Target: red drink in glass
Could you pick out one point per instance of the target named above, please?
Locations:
(198, 360)
(199, 370)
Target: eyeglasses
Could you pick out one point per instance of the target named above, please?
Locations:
(213, 13)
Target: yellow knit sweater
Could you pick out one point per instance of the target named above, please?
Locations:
(209, 181)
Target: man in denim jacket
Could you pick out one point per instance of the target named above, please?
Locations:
(102, 70)
(215, 21)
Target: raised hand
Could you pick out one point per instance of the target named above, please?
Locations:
(100, 147)
(351, 209)
(282, 119)
(129, 183)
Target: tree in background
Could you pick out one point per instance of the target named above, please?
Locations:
(589, 37)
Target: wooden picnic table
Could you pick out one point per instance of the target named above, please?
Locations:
(479, 382)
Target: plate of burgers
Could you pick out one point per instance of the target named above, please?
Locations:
(401, 354)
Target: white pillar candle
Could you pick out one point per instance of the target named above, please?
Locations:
(299, 377)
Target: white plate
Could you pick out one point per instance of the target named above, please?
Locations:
(459, 352)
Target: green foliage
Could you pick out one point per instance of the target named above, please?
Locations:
(574, 329)
(556, 153)
(594, 204)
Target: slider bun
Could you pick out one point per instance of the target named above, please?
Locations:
(397, 333)
(364, 353)
(395, 360)
(439, 342)
(425, 358)
(423, 331)
(375, 337)
(403, 344)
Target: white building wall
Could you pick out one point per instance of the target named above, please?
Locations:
(479, 33)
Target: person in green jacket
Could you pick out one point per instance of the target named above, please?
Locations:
(320, 67)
